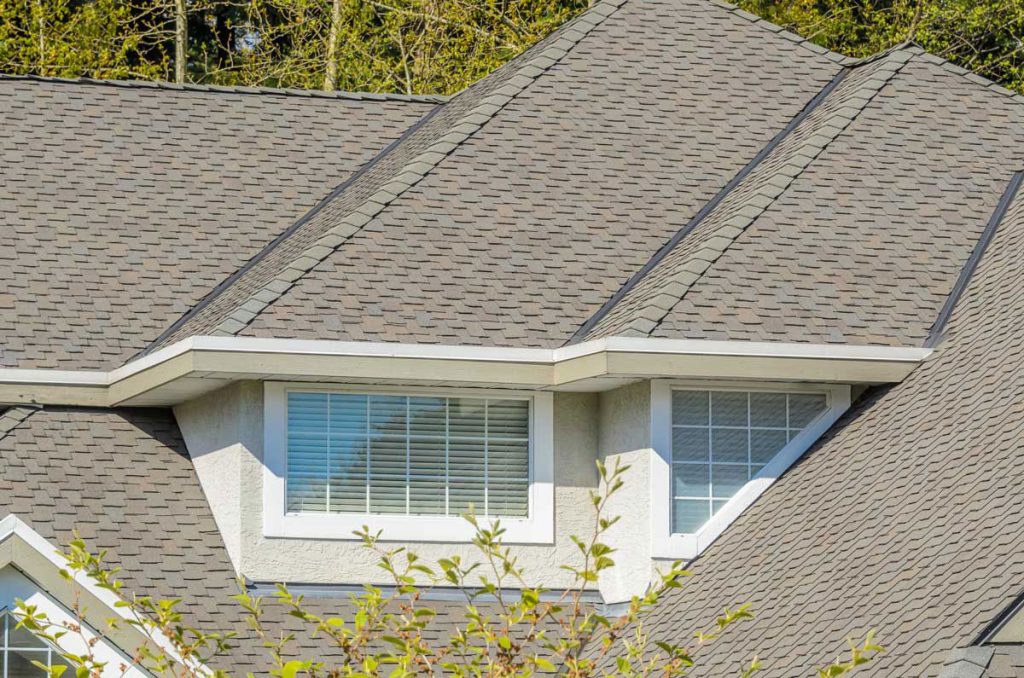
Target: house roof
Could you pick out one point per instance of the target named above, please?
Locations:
(666, 168)
(510, 216)
(123, 204)
(123, 481)
(906, 517)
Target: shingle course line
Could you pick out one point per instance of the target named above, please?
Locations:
(226, 89)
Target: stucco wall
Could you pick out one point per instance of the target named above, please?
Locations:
(625, 438)
(224, 434)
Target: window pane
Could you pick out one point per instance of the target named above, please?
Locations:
(508, 499)
(508, 419)
(765, 444)
(348, 475)
(728, 408)
(427, 417)
(426, 496)
(689, 514)
(388, 414)
(19, 663)
(804, 408)
(466, 417)
(307, 473)
(729, 444)
(746, 431)
(508, 460)
(768, 409)
(463, 492)
(21, 638)
(727, 480)
(350, 453)
(690, 480)
(690, 408)
(690, 444)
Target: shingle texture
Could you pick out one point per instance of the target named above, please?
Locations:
(573, 164)
(123, 480)
(122, 206)
(907, 517)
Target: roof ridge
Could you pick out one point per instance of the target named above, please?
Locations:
(509, 81)
(231, 89)
(672, 288)
(13, 417)
(785, 33)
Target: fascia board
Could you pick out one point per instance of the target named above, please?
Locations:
(229, 358)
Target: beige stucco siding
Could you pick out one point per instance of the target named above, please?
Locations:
(223, 432)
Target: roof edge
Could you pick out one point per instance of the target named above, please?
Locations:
(230, 89)
(197, 365)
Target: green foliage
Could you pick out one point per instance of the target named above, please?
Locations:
(984, 36)
(533, 631)
(435, 46)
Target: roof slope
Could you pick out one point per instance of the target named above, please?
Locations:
(512, 214)
(908, 517)
(857, 239)
(122, 204)
(123, 480)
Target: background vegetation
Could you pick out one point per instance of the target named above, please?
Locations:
(429, 46)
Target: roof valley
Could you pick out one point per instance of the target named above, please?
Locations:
(642, 309)
(11, 418)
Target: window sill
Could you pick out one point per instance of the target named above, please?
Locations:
(435, 529)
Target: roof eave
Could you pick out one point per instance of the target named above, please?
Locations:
(197, 365)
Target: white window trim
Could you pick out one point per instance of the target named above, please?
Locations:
(537, 528)
(664, 544)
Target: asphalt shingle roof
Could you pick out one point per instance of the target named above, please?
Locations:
(122, 205)
(907, 517)
(122, 480)
(546, 186)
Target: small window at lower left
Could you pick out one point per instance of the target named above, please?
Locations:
(24, 653)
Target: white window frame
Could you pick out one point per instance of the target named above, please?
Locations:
(665, 544)
(536, 528)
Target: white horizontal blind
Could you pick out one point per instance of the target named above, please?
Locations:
(408, 455)
(722, 439)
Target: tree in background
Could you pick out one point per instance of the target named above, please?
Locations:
(984, 36)
(430, 46)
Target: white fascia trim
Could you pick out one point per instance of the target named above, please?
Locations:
(665, 544)
(548, 368)
(537, 528)
(12, 526)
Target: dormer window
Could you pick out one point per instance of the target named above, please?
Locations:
(384, 454)
(723, 439)
(408, 462)
(719, 446)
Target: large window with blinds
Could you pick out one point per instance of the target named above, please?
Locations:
(406, 454)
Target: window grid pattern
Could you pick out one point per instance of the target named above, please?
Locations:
(407, 455)
(722, 439)
(21, 647)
